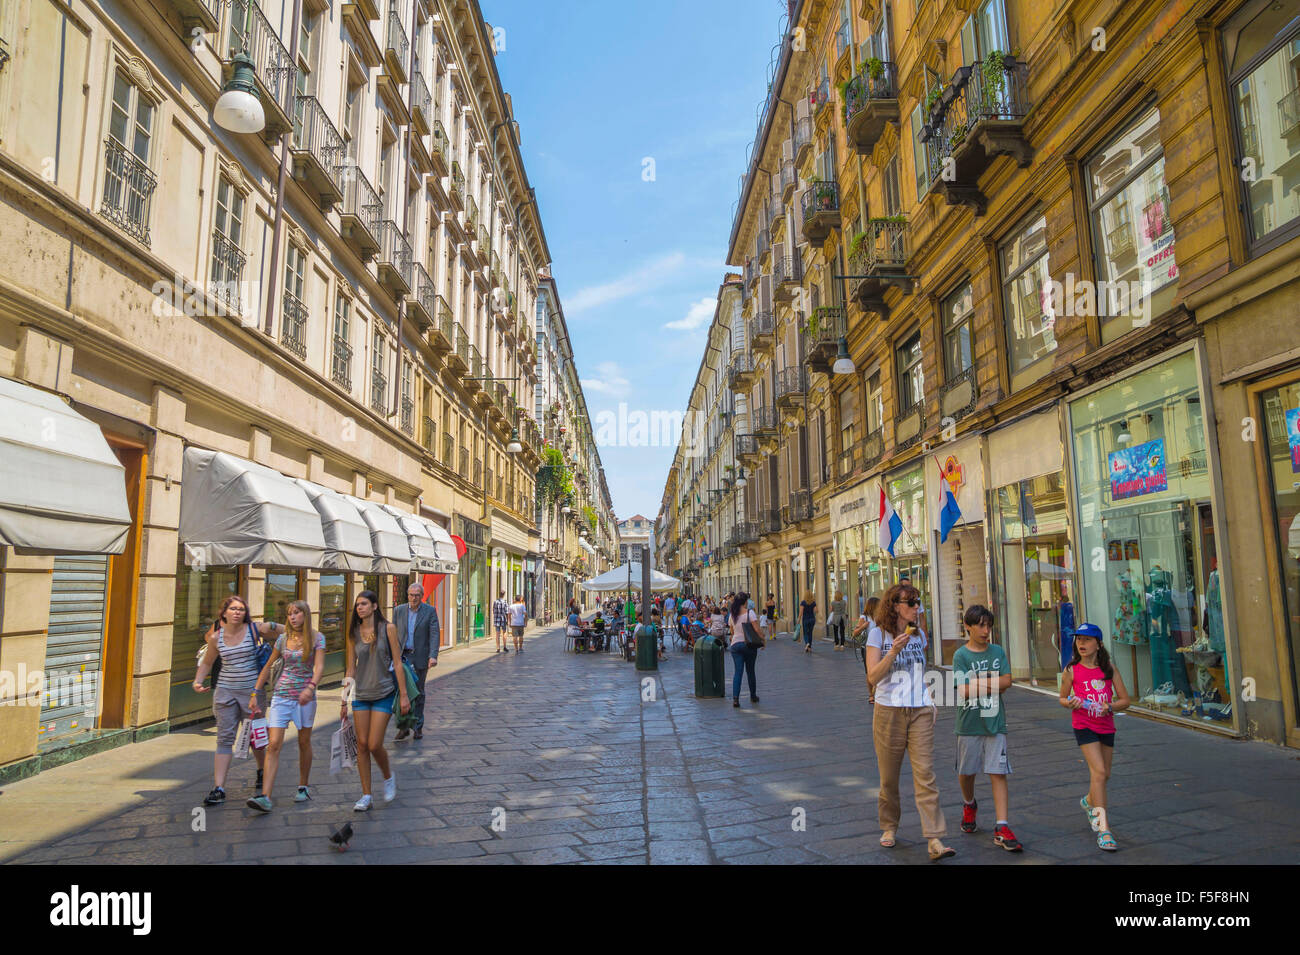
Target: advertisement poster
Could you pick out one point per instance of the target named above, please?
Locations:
(1293, 437)
(1138, 470)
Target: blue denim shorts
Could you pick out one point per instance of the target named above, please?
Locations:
(385, 704)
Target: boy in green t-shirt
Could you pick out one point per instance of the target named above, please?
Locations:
(982, 674)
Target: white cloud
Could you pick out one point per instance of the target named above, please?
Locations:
(699, 315)
(611, 381)
(643, 279)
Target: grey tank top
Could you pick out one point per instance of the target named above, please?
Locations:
(374, 673)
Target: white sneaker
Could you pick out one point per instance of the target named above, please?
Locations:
(363, 804)
(390, 788)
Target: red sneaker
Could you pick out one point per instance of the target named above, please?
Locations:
(1004, 837)
(968, 816)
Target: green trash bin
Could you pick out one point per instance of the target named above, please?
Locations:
(647, 648)
(710, 674)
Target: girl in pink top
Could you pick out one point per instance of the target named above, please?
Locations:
(1094, 692)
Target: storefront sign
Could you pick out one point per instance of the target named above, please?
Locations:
(851, 508)
(1138, 470)
(1293, 437)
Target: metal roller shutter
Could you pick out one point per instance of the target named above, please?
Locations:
(70, 701)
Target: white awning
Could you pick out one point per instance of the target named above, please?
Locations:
(585, 546)
(62, 490)
(448, 562)
(424, 553)
(347, 537)
(237, 512)
(388, 544)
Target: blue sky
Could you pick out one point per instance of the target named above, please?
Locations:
(597, 88)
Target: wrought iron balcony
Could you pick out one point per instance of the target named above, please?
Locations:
(251, 32)
(787, 275)
(318, 152)
(471, 214)
(457, 183)
(293, 325)
(848, 463)
(128, 190)
(341, 362)
(763, 244)
(1119, 241)
(423, 307)
(1250, 142)
(820, 96)
(1288, 112)
(799, 509)
(762, 421)
(871, 101)
(428, 434)
(747, 449)
(360, 214)
(873, 448)
(475, 371)
(803, 139)
(396, 50)
(458, 358)
(979, 116)
(227, 271)
(789, 179)
(448, 449)
(821, 209)
(762, 331)
(443, 336)
(441, 145)
(406, 417)
(822, 334)
(877, 260)
(741, 372)
(769, 521)
(379, 392)
(747, 532)
(791, 386)
(394, 260)
(422, 109)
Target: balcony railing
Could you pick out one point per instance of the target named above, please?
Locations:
(227, 270)
(421, 101)
(821, 209)
(741, 368)
(883, 246)
(394, 258)
(252, 32)
(1120, 240)
(1288, 112)
(319, 150)
(746, 445)
(471, 214)
(976, 94)
(341, 362)
(362, 210)
(803, 134)
(788, 268)
(870, 101)
(448, 449)
(457, 182)
(128, 190)
(764, 323)
(864, 87)
(762, 420)
(406, 419)
(293, 325)
(428, 433)
(764, 243)
(800, 507)
(791, 383)
(398, 49)
(788, 176)
(820, 96)
(769, 520)
(379, 392)
(848, 462)
(441, 144)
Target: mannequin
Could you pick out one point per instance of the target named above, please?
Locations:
(1166, 666)
(1128, 623)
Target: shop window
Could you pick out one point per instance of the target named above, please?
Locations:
(911, 377)
(199, 593)
(1262, 47)
(1282, 424)
(1026, 286)
(1132, 231)
(875, 403)
(958, 312)
(282, 589)
(1146, 528)
(332, 617)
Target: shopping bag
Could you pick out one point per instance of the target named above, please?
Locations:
(241, 740)
(258, 737)
(343, 747)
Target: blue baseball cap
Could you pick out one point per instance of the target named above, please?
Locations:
(1089, 630)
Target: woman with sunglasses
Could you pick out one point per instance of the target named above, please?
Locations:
(904, 717)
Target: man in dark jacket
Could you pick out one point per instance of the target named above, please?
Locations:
(418, 629)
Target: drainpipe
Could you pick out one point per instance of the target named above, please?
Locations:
(406, 225)
(278, 229)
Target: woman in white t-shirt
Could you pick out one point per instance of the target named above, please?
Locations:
(904, 717)
(743, 654)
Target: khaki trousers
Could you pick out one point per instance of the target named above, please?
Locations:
(907, 729)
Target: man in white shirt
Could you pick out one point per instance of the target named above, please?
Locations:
(518, 620)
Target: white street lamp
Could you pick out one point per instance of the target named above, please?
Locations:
(843, 363)
(238, 108)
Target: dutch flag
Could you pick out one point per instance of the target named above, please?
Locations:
(891, 525)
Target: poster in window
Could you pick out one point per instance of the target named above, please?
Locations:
(1138, 470)
(1293, 437)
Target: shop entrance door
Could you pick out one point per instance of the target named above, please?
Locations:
(1049, 584)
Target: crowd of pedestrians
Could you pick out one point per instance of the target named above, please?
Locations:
(270, 672)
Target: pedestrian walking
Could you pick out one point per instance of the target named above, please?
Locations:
(808, 618)
(904, 717)
(293, 700)
(769, 609)
(518, 620)
(417, 626)
(1094, 692)
(372, 646)
(744, 655)
(500, 614)
(836, 622)
(235, 641)
(982, 673)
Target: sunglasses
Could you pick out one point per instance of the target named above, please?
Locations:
(913, 602)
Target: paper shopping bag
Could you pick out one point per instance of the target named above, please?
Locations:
(343, 747)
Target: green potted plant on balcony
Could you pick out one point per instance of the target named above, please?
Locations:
(994, 75)
(825, 196)
(855, 246)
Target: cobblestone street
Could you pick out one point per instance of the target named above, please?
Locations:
(561, 750)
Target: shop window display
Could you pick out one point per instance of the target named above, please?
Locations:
(1282, 423)
(1150, 567)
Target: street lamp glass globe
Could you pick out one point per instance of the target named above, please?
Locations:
(843, 363)
(514, 447)
(239, 111)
